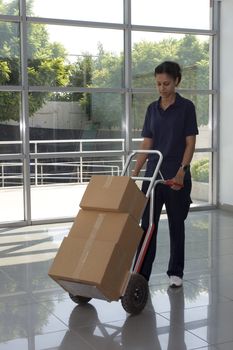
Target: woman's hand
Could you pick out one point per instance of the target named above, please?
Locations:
(178, 180)
(135, 173)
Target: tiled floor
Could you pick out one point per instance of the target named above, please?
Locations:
(35, 313)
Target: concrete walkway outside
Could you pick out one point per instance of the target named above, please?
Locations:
(48, 202)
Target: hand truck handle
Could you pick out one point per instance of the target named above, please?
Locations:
(172, 183)
(156, 171)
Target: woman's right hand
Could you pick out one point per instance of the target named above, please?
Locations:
(135, 173)
(141, 158)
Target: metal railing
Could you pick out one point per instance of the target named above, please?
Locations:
(61, 171)
(74, 145)
(45, 171)
(70, 172)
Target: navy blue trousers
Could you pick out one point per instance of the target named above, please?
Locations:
(177, 205)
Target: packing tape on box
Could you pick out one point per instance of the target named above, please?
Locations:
(89, 243)
(98, 222)
(108, 182)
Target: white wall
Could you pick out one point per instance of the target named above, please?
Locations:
(226, 104)
(59, 115)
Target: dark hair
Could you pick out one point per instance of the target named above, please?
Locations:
(171, 68)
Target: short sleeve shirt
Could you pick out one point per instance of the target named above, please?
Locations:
(169, 129)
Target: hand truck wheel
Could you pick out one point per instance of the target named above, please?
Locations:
(136, 294)
(78, 299)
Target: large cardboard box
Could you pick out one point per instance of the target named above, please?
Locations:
(97, 264)
(114, 193)
(107, 226)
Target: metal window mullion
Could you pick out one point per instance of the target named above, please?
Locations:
(10, 88)
(45, 88)
(174, 30)
(74, 89)
(128, 75)
(24, 124)
(9, 18)
(75, 23)
(190, 91)
(216, 101)
(119, 26)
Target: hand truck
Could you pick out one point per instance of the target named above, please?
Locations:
(135, 292)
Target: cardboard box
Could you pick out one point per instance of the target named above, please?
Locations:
(107, 226)
(114, 193)
(93, 263)
(98, 260)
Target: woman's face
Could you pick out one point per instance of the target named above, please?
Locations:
(165, 84)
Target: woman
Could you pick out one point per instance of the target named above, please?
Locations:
(170, 126)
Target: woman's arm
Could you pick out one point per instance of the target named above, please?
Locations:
(189, 150)
(187, 157)
(141, 158)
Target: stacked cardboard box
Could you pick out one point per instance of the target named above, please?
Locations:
(95, 259)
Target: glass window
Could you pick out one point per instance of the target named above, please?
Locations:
(94, 122)
(59, 117)
(71, 56)
(9, 54)
(202, 104)
(59, 184)
(172, 13)
(11, 191)
(9, 7)
(88, 10)
(190, 51)
(140, 102)
(10, 103)
(201, 169)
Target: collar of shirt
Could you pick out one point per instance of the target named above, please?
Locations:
(178, 102)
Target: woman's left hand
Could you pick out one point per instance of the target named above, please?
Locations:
(178, 180)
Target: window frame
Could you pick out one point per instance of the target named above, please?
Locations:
(127, 28)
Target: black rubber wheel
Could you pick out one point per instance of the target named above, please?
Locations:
(136, 294)
(78, 299)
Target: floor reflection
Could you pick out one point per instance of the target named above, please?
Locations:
(135, 332)
(37, 314)
(113, 335)
(176, 329)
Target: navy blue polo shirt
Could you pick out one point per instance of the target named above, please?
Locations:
(168, 129)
